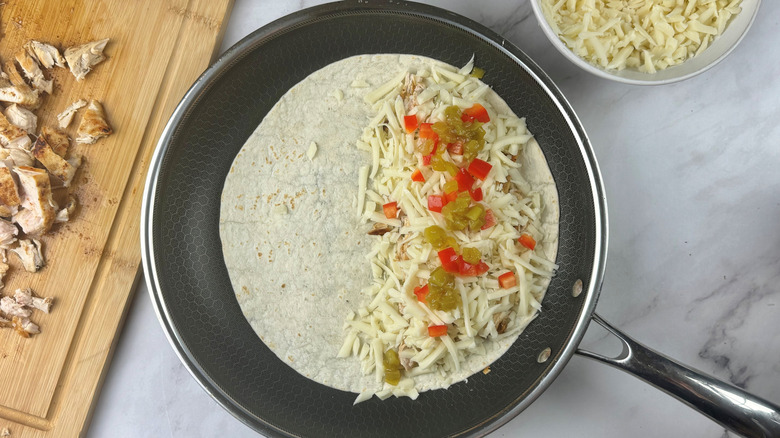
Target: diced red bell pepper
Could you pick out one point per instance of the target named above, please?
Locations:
(490, 219)
(450, 197)
(427, 158)
(426, 131)
(507, 280)
(421, 292)
(449, 260)
(410, 123)
(476, 194)
(455, 148)
(465, 181)
(467, 269)
(436, 202)
(476, 112)
(527, 241)
(390, 209)
(435, 331)
(480, 168)
(418, 176)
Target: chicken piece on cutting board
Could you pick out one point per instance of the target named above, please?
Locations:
(82, 58)
(66, 116)
(46, 54)
(39, 209)
(34, 73)
(21, 117)
(13, 89)
(93, 124)
(62, 169)
(11, 136)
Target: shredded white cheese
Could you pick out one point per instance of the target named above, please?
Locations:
(401, 259)
(647, 35)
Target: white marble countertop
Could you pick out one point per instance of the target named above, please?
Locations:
(692, 174)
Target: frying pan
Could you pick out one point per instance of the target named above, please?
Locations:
(194, 300)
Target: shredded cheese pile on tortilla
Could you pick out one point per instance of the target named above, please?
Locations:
(647, 35)
(401, 259)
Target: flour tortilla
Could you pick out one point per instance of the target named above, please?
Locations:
(292, 243)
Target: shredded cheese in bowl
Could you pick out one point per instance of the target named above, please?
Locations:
(401, 258)
(645, 35)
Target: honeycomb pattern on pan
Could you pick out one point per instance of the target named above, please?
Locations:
(195, 283)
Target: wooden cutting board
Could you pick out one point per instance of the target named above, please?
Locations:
(48, 383)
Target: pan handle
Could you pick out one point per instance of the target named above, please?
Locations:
(726, 404)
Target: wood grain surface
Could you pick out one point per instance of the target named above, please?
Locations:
(157, 49)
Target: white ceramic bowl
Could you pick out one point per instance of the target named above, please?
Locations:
(720, 47)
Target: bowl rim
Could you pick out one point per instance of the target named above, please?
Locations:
(597, 71)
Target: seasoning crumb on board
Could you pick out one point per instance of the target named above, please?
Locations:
(33, 167)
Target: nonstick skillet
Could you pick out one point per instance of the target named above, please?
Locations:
(194, 300)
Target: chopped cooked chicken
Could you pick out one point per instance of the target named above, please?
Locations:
(24, 297)
(55, 164)
(33, 72)
(8, 232)
(39, 208)
(406, 362)
(82, 58)
(379, 229)
(10, 307)
(412, 86)
(25, 327)
(501, 321)
(16, 157)
(66, 213)
(66, 116)
(9, 194)
(21, 117)
(13, 89)
(93, 124)
(6, 211)
(19, 308)
(12, 136)
(57, 139)
(46, 54)
(30, 327)
(29, 252)
(27, 298)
